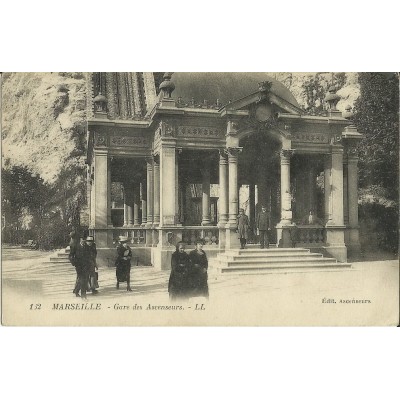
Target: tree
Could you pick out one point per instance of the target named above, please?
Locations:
(23, 193)
(316, 87)
(377, 117)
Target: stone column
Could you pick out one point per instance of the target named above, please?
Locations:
(352, 176)
(336, 198)
(233, 153)
(125, 204)
(129, 204)
(156, 170)
(335, 244)
(167, 185)
(136, 204)
(109, 220)
(231, 237)
(150, 191)
(92, 199)
(286, 206)
(327, 188)
(312, 190)
(283, 228)
(143, 194)
(223, 189)
(345, 192)
(177, 216)
(101, 189)
(101, 198)
(205, 195)
(252, 195)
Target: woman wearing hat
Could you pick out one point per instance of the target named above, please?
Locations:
(243, 228)
(123, 263)
(178, 281)
(198, 276)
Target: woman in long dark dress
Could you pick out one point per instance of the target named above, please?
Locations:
(123, 263)
(198, 277)
(178, 281)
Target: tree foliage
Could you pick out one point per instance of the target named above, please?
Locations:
(316, 87)
(377, 117)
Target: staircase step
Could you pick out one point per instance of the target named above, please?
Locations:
(256, 257)
(285, 268)
(274, 250)
(278, 263)
(62, 255)
(274, 259)
(59, 260)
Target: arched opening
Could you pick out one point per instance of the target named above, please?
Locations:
(259, 177)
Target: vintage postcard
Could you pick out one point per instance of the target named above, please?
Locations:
(199, 199)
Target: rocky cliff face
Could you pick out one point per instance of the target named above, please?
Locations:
(44, 118)
(300, 83)
(44, 121)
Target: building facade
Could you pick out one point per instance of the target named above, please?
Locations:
(172, 156)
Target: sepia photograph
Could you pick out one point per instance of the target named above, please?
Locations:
(200, 199)
(214, 232)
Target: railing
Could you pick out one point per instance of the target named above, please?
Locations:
(136, 236)
(167, 235)
(309, 234)
(209, 235)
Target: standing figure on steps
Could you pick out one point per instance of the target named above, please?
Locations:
(123, 263)
(264, 227)
(243, 228)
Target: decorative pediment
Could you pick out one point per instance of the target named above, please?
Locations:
(263, 98)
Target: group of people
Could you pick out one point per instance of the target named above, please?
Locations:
(263, 225)
(189, 276)
(82, 256)
(188, 271)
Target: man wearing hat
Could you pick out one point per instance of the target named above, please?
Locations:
(243, 228)
(93, 284)
(123, 263)
(81, 257)
(263, 226)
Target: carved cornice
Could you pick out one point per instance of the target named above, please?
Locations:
(286, 153)
(100, 140)
(336, 139)
(222, 155)
(351, 151)
(233, 152)
(135, 141)
(199, 131)
(310, 137)
(166, 129)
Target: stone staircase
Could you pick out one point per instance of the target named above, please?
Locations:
(254, 260)
(61, 257)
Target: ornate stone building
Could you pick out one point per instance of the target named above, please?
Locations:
(171, 157)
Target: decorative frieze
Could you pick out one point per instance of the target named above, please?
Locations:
(199, 131)
(130, 141)
(310, 137)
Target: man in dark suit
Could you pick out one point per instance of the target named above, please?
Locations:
(80, 256)
(264, 226)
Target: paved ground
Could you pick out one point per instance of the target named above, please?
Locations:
(366, 295)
